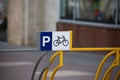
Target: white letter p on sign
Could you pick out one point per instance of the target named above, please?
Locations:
(46, 39)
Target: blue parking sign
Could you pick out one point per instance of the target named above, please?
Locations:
(46, 41)
(57, 40)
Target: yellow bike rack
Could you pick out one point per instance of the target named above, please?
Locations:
(113, 51)
(56, 68)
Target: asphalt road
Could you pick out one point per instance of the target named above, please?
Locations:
(19, 65)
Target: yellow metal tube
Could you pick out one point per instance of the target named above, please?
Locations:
(108, 75)
(102, 63)
(108, 71)
(54, 56)
(93, 49)
(45, 74)
(61, 58)
(118, 57)
(58, 66)
(117, 76)
(71, 39)
(54, 72)
(51, 60)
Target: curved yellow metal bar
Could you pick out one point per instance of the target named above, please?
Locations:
(54, 72)
(117, 76)
(108, 71)
(45, 74)
(54, 56)
(102, 63)
(51, 60)
(108, 75)
(114, 64)
(58, 66)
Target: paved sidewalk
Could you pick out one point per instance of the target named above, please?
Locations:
(6, 46)
(77, 65)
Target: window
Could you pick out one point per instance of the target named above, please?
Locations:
(100, 11)
(96, 10)
(67, 9)
(119, 12)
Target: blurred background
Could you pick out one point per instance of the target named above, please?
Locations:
(94, 23)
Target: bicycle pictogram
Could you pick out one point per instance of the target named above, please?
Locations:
(61, 40)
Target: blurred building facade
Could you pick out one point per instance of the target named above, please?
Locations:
(28, 17)
(95, 23)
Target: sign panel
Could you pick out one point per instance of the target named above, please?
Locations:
(45, 41)
(55, 40)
